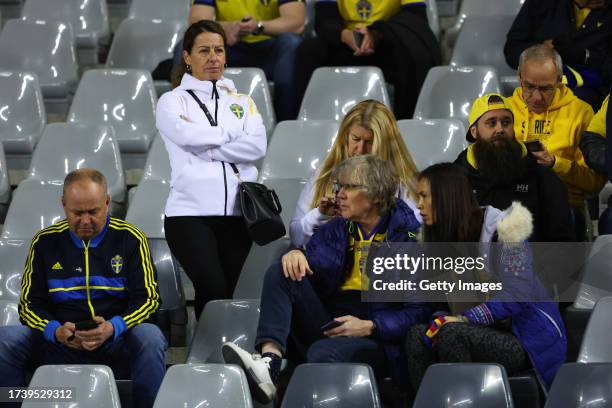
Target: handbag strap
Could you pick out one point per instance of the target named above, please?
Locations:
(236, 171)
(203, 107)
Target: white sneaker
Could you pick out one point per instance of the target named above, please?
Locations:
(256, 368)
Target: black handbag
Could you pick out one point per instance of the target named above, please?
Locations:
(261, 211)
(260, 206)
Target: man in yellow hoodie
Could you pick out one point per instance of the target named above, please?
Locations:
(546, 110)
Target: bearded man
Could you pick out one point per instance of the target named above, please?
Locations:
(502, 170)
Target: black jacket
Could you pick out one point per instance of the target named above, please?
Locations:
(66, 279)
(540, 190)
(540, 20)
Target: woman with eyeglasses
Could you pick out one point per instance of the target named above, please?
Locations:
(316, 293)
(368, 128)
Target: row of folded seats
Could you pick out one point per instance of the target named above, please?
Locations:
(206, 380)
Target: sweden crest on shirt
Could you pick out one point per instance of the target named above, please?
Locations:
(364, 9)
(237, 110)
(117, 263)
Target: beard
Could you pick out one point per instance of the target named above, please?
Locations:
(501, 162)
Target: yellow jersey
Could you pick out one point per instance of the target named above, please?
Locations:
(236, 10)
(362, 13)
(360, 248)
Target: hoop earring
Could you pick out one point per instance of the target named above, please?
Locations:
(188, 68)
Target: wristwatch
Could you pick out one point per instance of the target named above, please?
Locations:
(259, 28)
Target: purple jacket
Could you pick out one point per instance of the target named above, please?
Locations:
(326, 255)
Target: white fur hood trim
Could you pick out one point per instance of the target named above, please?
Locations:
(516, 226)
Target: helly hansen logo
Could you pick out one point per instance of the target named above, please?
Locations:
(57, 266)
(522, 188)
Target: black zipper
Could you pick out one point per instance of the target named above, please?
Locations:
(224, 185)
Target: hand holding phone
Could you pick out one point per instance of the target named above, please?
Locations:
(534, 146)
(358, 37)
(332, 324)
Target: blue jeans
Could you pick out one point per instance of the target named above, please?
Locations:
(289, 306)
(276, 57)
(140, 350)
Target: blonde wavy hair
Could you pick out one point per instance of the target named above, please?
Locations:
(387, 144)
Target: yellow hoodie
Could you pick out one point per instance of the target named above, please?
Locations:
(559, 129)
(598, 123)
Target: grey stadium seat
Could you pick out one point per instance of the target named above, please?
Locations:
(595, 346)
(464, 384)
(23, 112)
(594, 283)
(124, 99)
(254, 269)
(297, 148)
(204, 385)
(333, 91)
(486, 8)
(146, 209)
(93, 385)
(64, 147)
(253, 82)
(433, 141)
(142, 44)
(221, 321)
(5, 188)
(288, 192)
(481, 42)
(597, 274)
(13, 254)
(432, 17)
(172, 314)
(35, 205)
(448, 92)
(158, 162)
(581, 385)
(9, 315)
(89, 20)
(177, 10)
(50, 54)
(332, 385)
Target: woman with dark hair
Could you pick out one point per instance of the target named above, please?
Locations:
(210, 132)
(519, 327)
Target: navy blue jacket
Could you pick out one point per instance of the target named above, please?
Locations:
(68, 280)
(326, 255)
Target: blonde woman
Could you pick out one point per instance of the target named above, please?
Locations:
(368, 128)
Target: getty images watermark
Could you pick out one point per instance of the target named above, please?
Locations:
(476, 272)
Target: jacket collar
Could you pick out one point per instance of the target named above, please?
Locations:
(95, 241)
(224, 86)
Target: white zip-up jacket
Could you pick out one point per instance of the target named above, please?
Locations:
(203, 182)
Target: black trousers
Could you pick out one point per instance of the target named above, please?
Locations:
(212, 251)
(463, 343)
(394, 61)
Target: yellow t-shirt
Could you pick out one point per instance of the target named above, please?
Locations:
(236, 10)
(360, 247)
(581, 15)
(362, 13)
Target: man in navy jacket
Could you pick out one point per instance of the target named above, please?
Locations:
(89, 269)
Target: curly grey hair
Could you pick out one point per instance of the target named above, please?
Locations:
(378, 178)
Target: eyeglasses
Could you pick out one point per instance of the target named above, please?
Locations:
(337, 186)
(544, 90)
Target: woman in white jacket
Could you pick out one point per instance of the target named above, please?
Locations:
(368, 128)
(206, 126)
